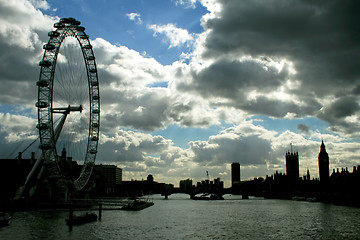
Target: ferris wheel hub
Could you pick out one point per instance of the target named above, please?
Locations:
(67, 110)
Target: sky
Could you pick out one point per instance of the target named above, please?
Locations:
(189, 86)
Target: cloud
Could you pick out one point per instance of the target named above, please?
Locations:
(126, 80)
(136, 17)
(303, 128)
(343, 114)
(13, 124)
(236, 144)
(186, 3)
(17, 132)
(175, 36)
(42, 4)
(141, 153)
(23, 30)
(320, 38)
(230, 78)
(317, 41)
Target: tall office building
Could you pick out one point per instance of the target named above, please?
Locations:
(235, 173)
(323, 160)
(112, 176)
(186, 185)
(292, 166)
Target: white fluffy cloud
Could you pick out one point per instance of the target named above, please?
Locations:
(186, 3)
(174, 35)
(136, 17)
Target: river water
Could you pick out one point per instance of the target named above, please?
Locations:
(182, 218)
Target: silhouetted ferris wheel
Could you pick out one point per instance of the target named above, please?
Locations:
(68, 103)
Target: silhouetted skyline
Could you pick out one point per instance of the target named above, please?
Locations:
(192, 86)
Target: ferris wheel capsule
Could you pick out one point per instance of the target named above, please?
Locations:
(45, 63)
(80, 28)
(59, 25)
(42, 83)
(53, 34)
(49, 46)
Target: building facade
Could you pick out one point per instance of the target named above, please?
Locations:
(112, 176)
(13, 173)
(186, 185)
(292, 166)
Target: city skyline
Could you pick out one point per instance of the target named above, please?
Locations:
(192, 86)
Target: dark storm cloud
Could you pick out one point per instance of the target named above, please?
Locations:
(146, 112)
(321, 37)
(226, 78)
(337, 112)
(303, 128)
(343, 107)
(18, 74)
(276, 108)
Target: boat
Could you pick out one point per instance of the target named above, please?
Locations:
(299, 198)
(78, 220)
(136, 205)
(311, 199)
(208, 197)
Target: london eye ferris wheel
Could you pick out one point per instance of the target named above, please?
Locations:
(68, 100)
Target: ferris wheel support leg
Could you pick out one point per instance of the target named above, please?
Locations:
(37, 182)
(29, 179)
(38, 168)
(42, 170)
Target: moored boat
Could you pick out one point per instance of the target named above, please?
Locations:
(207, 197)
(137, 205)
(4, 221)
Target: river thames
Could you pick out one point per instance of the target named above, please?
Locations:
(182, 218)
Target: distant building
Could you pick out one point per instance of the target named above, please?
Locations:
(207, 186)
(235, 173)
(292, 166)
(186, 185)
(112, 176)
(218, 184)
(308, 175)
(323, 160)
(150, 179)
(13, 173)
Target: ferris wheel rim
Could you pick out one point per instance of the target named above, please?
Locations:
(64, 28)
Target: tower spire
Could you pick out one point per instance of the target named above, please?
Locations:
(323, 161)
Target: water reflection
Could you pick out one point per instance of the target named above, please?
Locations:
(182, 218)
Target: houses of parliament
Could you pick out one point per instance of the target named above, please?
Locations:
(292, 165)
(339, 187)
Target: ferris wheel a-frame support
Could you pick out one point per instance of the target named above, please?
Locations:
(37, 172)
